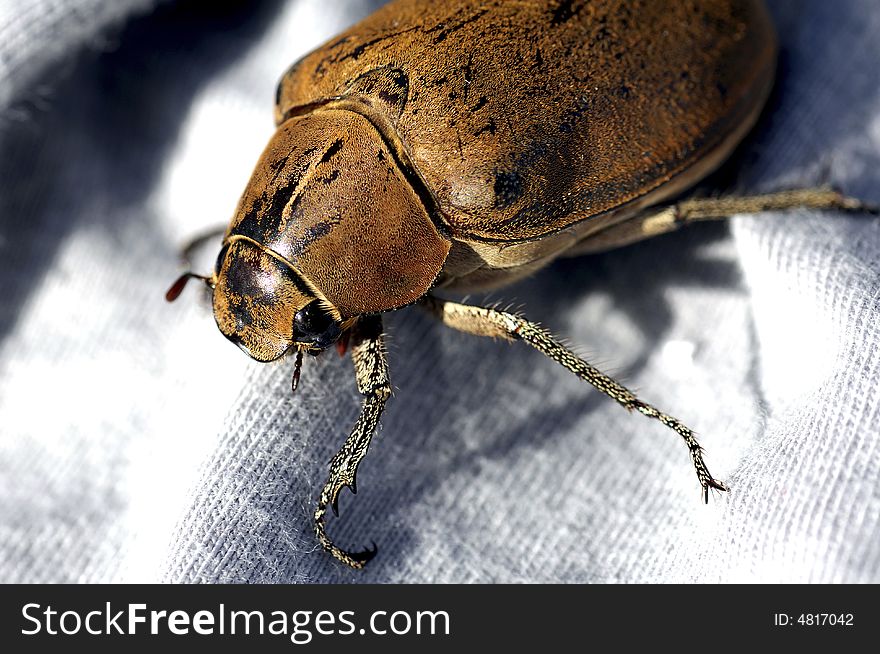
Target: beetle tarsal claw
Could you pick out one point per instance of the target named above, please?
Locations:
(355, 560)
(371, 372)
(358, 560)
(339, 479)
(715, 485)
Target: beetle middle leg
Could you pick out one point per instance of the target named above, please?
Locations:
(371, 373)
(483, 321)
(660, 220)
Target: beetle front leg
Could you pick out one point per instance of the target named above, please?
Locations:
(371, 373)
(483, 321)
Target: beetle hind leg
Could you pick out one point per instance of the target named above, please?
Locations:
(483, 321)
(371, 373)
(660, 220)
(200, 240)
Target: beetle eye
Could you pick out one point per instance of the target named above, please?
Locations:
(314, 326)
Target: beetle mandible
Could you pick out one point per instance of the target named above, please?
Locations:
(465, 144)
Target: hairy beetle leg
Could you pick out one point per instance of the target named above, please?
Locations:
(654, 222)
(483, 321)
(371, 373)
(823, 197)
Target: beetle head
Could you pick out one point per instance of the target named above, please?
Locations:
(329, 228)
(265, 307)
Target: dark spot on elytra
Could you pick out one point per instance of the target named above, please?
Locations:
(398, 78)
(390, 85)
(319, 229)
(564, 12)
(338, 42)
(489, 127)
(445, 29)
(334, 148)
(601, 34)
(357, 51)
(391, 97)
(277, 166)
(508, 188)
(468, 75)
(480, 103)
(361, 49)
(572, 117)
(330, 178)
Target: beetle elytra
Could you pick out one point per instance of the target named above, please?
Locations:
(465, 144)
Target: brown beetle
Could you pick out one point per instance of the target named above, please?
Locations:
(465, 144)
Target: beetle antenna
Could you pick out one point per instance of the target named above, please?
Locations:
(297, 367)
(177, 287)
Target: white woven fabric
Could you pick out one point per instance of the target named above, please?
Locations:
(139, 445)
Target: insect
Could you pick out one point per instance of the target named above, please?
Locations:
(463, 145)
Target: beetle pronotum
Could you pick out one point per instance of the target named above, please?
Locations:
(465, 144)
